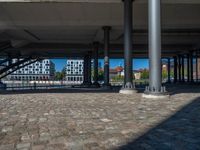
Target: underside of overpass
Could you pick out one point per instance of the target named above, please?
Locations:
(67, 28)
(129, 29)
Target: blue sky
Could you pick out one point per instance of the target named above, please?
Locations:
(137, 63)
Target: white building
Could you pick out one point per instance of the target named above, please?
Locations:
(74, 70)
(40, 70)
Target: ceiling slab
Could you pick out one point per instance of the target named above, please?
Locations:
(46, 22)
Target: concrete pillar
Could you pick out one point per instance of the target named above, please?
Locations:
(85, 71)
(179, 68)
(188, 68)
(155, 81)
(89, 69)
(197, 66)
(106, 57)
(128, 87)
(169, 69)
(96, 67)
(175, 69)
(183, 68)
(191, 67)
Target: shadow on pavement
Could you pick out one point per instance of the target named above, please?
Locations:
(179, 132)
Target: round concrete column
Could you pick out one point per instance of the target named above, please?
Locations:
(85, 71)
(179, 68)
(191, 67)
(169, 70)
(106, 84)
(96, 67)
(188, 68)
(197, 66)
(128, 87)
(175, 69)
(155, 89)
(89, 69)
(183, 67)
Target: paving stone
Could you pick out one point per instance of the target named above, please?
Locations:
(7, 147)
(23, 146)
(42, 119)
(7, 129)
(106, 120)
(25, 137)
(38, 147)
(45, 136)
(100, 121)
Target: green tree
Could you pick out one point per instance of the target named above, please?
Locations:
(101, 75)
(60, 75)
(145, 74)
(63, 72)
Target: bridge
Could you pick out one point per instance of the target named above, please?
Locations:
(38, 29)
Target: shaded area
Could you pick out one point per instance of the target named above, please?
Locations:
(62, 90)
(179, 132)
(173, 89)
(178, 88)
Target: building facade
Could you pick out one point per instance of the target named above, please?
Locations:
(74, 70)
(40, 70)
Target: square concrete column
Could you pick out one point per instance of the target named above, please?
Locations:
(155, 88)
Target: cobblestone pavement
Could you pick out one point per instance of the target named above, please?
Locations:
(98, 121)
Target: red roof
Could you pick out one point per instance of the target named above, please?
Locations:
(119, 69)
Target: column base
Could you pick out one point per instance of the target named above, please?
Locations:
(95, 85)
(156, 94)
(128, 88)
(153, 96)
(86, 85)
(106, 86)
(169, 82)
(128, 91)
